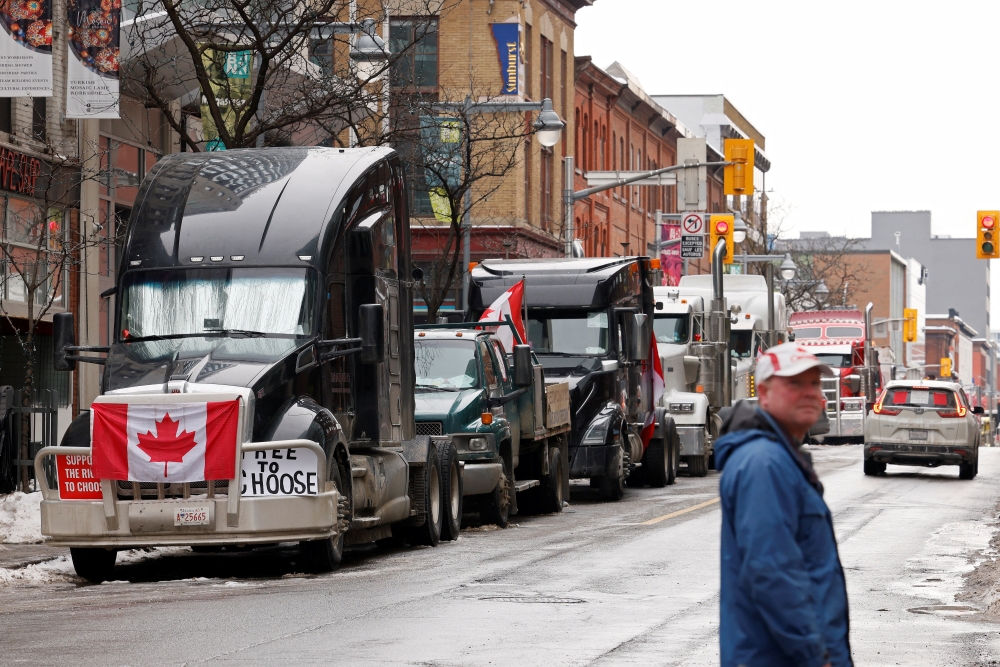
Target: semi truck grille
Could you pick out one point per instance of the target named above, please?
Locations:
(429, 428)
(151, 490)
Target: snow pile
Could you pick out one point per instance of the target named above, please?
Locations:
(20, 518)
(51, 571)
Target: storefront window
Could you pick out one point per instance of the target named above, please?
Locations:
(24, 222)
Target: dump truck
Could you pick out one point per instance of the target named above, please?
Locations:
(509, 427)
(588, 324)
(258, 384)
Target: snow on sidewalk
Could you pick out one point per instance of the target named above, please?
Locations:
(20, 518)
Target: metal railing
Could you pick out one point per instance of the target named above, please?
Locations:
(27, 430)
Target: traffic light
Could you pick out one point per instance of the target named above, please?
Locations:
(910, 325)
(986, 235)
(737, 179)
(721, 227)
(945, 367)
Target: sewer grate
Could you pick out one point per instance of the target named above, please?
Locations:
(533, 599)
(944, 609)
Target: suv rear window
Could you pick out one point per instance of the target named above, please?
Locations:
(921, 397)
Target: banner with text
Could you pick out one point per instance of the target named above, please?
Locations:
(94, 40)
(508, 39)
(26, 48)
(670, 256)
(229, 75)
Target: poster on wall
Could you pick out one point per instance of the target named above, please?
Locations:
(508, 39)
(670, 256)
(26, 48)
(92, 81)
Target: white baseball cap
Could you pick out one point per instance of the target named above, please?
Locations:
(786, 360)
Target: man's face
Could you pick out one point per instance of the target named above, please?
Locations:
(795, 402)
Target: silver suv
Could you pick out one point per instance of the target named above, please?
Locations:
(923, 423)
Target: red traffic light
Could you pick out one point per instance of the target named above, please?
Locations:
(722, 227)
(988, 222)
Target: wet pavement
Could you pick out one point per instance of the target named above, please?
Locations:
(628, 583)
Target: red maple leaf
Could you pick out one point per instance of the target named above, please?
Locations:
(168, 446)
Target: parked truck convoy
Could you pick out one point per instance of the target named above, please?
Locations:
(589, 325)
(278, 280)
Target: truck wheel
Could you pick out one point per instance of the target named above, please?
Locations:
(452, 492)
(612, 483)
(873, 468)
(429, 534)
(966, 470)
(325, 555)
(656, 462)
(674, 451)
(697, 465)
(495, 506)
(93, 564)
(552, 484)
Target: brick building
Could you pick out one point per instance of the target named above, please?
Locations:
(949, 336)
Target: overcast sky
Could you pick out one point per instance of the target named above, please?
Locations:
(865, 106)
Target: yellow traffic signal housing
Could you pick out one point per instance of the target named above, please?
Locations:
(721, 227)
(737, 179)
(910, 325)
(986, 235)
(945, 367)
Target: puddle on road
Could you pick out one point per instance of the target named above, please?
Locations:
(938, 572)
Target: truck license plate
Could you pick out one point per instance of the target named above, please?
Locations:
(191, 516)
(918, 434)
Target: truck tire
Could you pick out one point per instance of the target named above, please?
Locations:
(325, 555)
(612, 483)
(551, 491)
(494, 507)
(656, 462)
(93, 564)
(697, 465)
(429, 534)
(873, 468)
(674, 451)
(451, 476)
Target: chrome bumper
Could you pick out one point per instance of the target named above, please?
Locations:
(692, 440)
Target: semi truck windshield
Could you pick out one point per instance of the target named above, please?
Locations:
(446, 364)
(198, 302)
(671, 328)
(573, 332)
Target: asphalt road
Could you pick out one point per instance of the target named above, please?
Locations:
(628, 583)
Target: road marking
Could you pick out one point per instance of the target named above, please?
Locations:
(679, 512)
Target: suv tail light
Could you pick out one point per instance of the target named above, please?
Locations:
(960, 412)
(879, 410)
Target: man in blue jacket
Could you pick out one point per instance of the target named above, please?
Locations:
(783, 601)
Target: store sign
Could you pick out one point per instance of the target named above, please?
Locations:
(18, 172)
(26, 48)
(94, 37)
(508, 39)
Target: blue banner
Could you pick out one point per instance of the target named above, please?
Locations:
(508, 39)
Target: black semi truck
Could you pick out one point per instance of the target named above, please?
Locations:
(279, 279)
(589, 323)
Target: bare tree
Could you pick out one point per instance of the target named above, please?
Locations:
(829, 272)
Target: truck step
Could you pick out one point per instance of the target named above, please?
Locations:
(525, 484)
(359, 472)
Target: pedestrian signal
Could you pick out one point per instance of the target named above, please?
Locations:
(737, 178)
(986, 235)
(910, 325)
(721, 227)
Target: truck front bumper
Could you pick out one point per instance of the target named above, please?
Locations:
(692, 440)
(232, 519)
(479, 478)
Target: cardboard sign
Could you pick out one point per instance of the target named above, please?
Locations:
(76, 478)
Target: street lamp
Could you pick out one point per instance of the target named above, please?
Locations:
(739, 228)
(549, 125)
(369, 51)
(787, 268)
(822, 293)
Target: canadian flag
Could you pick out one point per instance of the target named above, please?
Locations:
(653, 375)
(164, 442)
(507, 304)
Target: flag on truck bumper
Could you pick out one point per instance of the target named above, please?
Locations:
(164, 442)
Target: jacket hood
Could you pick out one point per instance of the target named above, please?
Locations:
(740, 424)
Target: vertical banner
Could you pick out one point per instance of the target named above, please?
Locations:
(508, 39)
(229, 76)
(670, 256)
(94, 40)
(440, 138)
(26, 48)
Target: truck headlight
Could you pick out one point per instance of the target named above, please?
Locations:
(478, 444)
(597, 433)
(682, 407)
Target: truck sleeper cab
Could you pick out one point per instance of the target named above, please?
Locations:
(279, 277)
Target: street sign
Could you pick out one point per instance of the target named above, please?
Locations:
(692, 247)
(693, 224)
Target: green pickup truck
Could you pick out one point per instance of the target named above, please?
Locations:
(510, 429)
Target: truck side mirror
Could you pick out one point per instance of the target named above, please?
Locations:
(854, 382)
(372, 333)
(62, 336)
(638, 338)
(522, 365)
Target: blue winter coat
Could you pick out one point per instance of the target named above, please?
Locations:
(783, 600)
